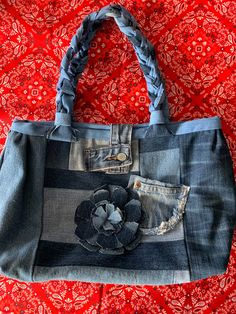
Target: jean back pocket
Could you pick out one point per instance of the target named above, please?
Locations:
(163, 203)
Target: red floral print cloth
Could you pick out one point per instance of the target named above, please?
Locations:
(195, 47)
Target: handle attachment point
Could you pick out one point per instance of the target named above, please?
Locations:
(63, 119)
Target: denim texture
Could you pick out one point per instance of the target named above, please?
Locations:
(21, 201)
(111, 275)
(43, 128)
(41, 222)
(145, 256)
(58, 223)
(163, 203)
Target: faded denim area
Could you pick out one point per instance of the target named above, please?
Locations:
(206, 166)
(207, 233)
(68, 182)
(21, 201)
(203, 162)
(163, 203)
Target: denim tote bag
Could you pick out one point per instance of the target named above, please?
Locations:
(151, 203)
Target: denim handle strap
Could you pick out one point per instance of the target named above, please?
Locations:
(76, 58)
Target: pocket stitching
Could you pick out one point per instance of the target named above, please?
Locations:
(177, 216)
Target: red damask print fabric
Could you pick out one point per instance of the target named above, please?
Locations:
(195, 47)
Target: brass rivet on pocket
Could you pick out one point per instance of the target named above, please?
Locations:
(121, 156)
(137, 184)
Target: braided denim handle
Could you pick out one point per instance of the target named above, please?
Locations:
(76, 58)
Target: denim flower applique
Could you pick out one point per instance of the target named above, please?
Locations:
(109, 221)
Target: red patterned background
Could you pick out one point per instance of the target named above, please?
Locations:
(195, 47)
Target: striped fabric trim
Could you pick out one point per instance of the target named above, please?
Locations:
(94, 130)
(70, 179)
(111, 275)
(173, 255)
(58, 223)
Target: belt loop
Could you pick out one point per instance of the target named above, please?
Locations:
(114, 134)
(120, 134)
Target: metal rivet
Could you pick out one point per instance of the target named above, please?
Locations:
(137, 184)
(121, 156)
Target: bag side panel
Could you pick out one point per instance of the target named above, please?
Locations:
(21, 198)
(206, 166)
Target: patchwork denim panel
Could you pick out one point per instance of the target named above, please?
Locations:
(58, 223)
(211, 208)
(197, 246)
(167, 212)
(160, 159)
(21, 203)
(164, 216)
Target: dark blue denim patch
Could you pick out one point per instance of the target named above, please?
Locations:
(153, 256)
(57, 155)
(72, 179)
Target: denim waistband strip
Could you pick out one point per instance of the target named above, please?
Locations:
(94, 130)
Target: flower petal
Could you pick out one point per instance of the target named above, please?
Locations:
(110, 208)
(133, 210)
(99, 218)
(89, 247)
(109, 242)
(119, 244)
(116, 216)
(84, 210)
(102, 203)
(101, 195)
(85, 230)
(118, 195)
(133, 226)
(127, 233)
(132, 245)
(108, 226)
(132, 194)
(100, 212)
(98, 222)
(93, 240)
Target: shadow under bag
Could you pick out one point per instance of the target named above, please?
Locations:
(151, 203)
